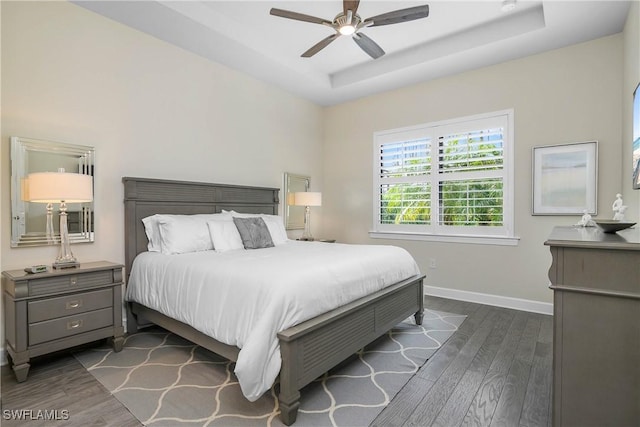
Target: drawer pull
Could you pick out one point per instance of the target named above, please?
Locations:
(74, 304)
(73, 280)
(74, 324)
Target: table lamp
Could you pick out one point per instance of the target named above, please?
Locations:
(307, 199)
(61, 187)
(25, 197)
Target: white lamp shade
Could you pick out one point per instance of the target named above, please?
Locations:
(308, 198)
(56, 187)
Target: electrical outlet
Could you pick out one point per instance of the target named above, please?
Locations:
(432, 263)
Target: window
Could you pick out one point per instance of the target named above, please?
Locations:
(446, 179)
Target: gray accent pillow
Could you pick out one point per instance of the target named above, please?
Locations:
(253, 232)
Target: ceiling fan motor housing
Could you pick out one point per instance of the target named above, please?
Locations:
(342, 20)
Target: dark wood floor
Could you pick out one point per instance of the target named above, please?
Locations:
(494, 371)
(61, 383)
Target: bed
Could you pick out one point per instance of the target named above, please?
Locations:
(307, 349)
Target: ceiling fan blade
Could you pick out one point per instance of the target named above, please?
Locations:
(351, 5)
(369, 46)
(298, 16)
(398, 16)
(320, 45)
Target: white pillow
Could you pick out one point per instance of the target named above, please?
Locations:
(275, 225)
(184, 234)
(153, 232)
(224, 234)
(171, 234)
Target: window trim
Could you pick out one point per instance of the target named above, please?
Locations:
(447, 238)
(504, 235)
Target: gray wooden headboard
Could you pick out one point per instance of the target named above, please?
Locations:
(144, 197)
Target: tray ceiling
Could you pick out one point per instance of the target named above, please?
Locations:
(457, 36)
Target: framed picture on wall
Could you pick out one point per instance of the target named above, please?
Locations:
(565, 179)
(635, 138)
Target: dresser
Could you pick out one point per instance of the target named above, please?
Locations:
(59, 309)
(595, 278)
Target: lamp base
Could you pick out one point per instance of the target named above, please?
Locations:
(306, 235)
(65, 257)
(65, 264)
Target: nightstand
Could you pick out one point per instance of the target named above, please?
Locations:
(59, 309)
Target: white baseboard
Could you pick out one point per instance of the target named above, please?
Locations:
(489, 299)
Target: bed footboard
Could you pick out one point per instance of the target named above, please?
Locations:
(313, 347)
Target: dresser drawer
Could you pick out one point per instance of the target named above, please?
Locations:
(601, 270)
(69, 282)
(69, 325)
(68, 305)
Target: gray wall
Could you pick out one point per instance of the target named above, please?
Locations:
(567, 95)
(150, 109)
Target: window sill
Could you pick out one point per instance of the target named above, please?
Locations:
(447, 238)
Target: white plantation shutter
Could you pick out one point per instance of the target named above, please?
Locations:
(451, 178)
(481, 149)
(404, 190)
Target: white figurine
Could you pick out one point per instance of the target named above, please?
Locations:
(586, 220)
(619, 216)
(617, 204)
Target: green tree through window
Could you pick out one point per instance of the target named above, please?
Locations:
(452, 176)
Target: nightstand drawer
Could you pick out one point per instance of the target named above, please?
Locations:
(69, 325)
(69, 305)
(70, 282)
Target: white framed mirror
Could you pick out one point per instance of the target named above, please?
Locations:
(294, 215)
(31, 221)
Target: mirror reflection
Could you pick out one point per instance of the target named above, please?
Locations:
(35, 224)
(294, 215)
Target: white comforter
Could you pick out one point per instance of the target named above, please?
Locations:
(245, 297)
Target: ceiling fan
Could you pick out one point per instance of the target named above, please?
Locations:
(348, 22)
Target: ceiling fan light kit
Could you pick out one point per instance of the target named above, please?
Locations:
(350, 23)
(347, 30)
(347, 23)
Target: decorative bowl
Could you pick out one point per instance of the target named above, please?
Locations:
(611, 226)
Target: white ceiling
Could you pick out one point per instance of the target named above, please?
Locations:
(457, 36)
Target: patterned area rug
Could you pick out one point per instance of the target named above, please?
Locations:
(167, 381)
